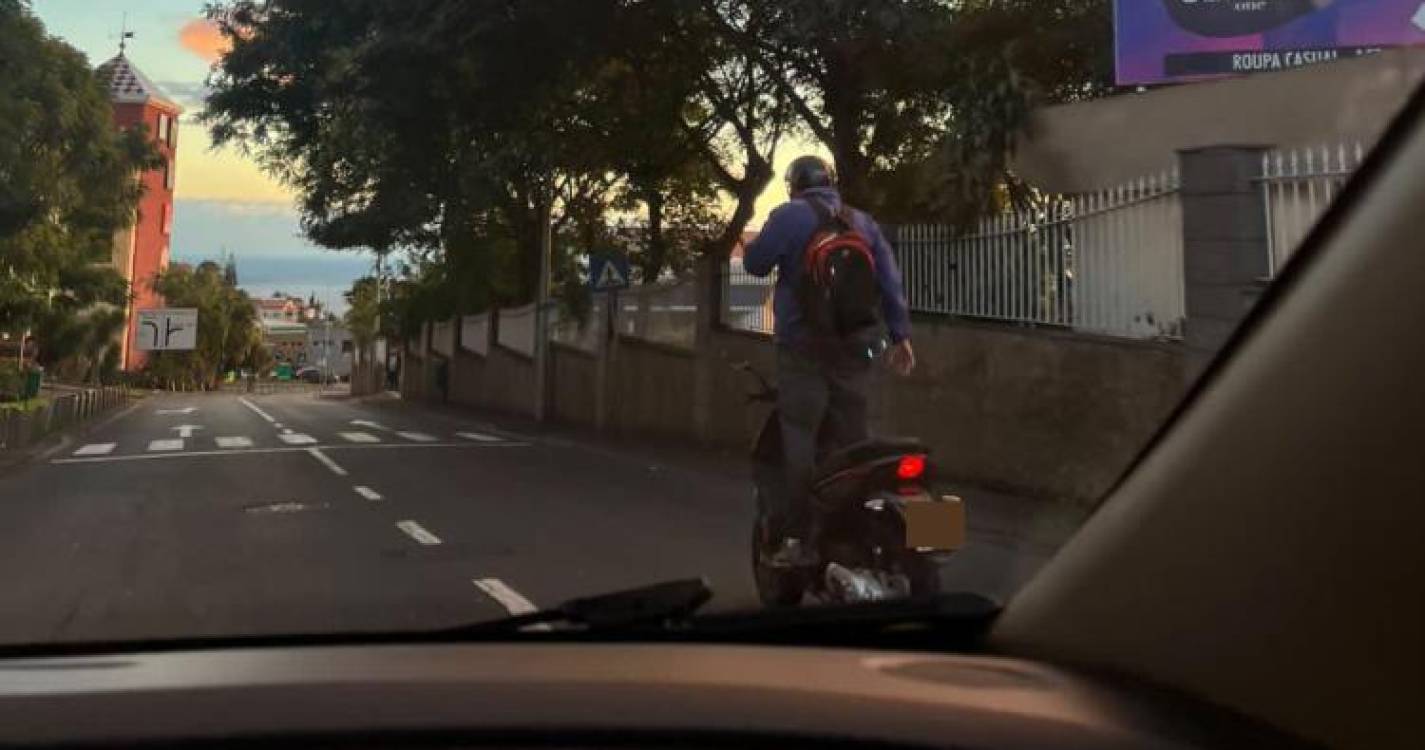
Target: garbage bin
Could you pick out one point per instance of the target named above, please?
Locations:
(32, 384)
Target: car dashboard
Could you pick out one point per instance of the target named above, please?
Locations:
(581, 695)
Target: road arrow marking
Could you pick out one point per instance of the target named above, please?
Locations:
(168, 412)
(187, 430)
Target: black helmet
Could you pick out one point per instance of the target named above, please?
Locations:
(808, 172)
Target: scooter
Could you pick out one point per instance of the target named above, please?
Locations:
(877, 531)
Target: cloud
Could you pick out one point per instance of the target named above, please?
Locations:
(202, 37)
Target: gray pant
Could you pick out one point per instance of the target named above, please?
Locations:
(810, 394)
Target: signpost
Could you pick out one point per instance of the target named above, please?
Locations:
(168, 329)
(1163, 41)
(607, 273)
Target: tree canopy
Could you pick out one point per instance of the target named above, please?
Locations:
(231, 338)
(448, 129)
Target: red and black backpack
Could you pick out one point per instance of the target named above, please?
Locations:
(840, 299)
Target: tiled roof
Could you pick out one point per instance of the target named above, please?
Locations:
(128, 85)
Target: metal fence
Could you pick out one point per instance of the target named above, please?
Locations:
(1108, 262)
(746, 299)
(1298, 186)
(20, 429)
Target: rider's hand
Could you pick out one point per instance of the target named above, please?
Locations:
(902, 358)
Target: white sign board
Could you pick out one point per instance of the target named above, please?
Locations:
(168, 329)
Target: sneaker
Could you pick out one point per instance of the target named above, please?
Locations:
(792, 554)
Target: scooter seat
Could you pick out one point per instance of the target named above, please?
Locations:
(867, 451)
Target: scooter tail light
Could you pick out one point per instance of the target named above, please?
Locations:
(911, 467)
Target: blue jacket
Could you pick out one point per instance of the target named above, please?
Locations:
(783, 240)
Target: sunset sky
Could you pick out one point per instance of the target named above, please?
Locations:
(224, 201)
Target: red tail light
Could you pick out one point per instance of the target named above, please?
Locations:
(911, 467)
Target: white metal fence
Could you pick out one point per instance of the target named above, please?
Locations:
(1298, 186)
(1108, 262)
(747, 299)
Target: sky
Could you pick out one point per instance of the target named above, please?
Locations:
(223, 201)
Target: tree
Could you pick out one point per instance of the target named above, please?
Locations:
(66, 186)
(229, 337)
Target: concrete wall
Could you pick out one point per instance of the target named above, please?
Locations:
(1040, 412)
(1087, 146)
(650, 389)
(574, 384)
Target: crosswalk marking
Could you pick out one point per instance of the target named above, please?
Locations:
(359, 437)
(97, 449)
(417, 437)
(368, 493)
(478, 437)
(234, 442)
(173, 444)
(297, 438)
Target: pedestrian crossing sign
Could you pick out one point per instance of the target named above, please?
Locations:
(608, 274)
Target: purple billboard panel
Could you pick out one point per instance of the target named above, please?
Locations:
(1160, 41)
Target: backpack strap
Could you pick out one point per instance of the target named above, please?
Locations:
(826, 219)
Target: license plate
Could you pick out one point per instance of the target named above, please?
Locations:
(935, 524)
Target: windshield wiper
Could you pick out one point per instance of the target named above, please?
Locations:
(658, 606)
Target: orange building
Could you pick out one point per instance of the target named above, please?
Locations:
(141, 251)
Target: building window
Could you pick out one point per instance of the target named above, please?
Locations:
(164, 124)
(173, 132)
(168, 175)
(167, 219)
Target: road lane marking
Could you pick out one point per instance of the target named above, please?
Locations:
(479, 437)
(175, 444)
(358, 437)
(513, 601)
(185, 410)
(327, 462)
(231, 443)
(287, 430)
(255, 408)
(368, 423)
(278, 425)
(97, 449)
(368, 493)
(297, 438)
(267, 451)
(417, 437)
(418, 533)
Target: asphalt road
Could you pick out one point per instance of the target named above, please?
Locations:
(220, 514)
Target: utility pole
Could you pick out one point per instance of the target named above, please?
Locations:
(541, 308)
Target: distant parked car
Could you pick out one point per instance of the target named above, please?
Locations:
(309, 374)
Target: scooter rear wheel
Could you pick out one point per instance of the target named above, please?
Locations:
(776, 587)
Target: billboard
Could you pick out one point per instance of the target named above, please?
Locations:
(1162, 41)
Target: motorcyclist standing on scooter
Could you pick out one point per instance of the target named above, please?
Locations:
(817, 382)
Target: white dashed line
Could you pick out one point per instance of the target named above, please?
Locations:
(174, 444)
(417, 437)
(513, 601)
(368, 493)
(97, 449)
(418, 533)
(358, 437)
(279, 426)
(478, 437)
(297, 439)
(230, 443)
(327, 461)
(255, 408)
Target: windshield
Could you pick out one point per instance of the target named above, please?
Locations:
(324, 317)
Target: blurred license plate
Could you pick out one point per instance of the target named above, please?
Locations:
(935, 524)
